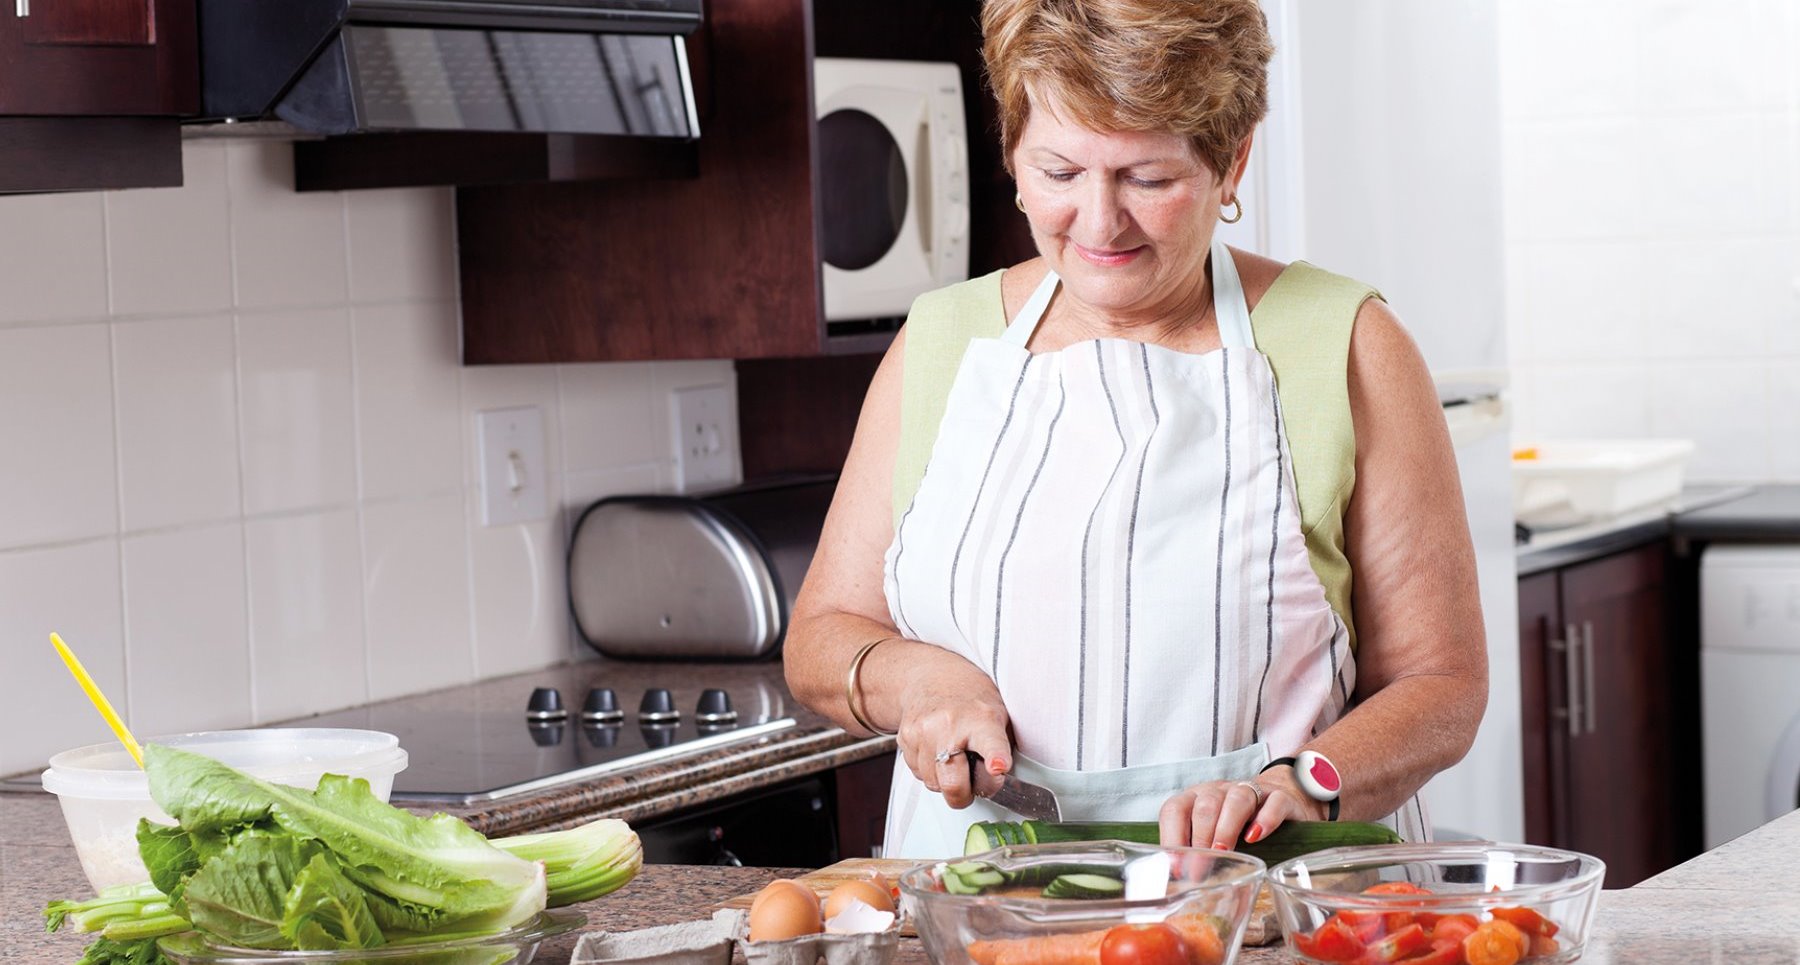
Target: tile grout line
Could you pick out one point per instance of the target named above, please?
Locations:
(356, 435)
(112, 369)
(243, 459)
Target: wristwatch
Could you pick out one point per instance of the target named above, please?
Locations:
(1317, 776)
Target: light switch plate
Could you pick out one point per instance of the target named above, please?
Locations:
(513, 468)
(704, 424)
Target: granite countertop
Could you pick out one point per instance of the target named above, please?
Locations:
(1739, 903)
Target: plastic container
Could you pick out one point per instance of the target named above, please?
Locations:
(1580, 480)
(1327, 913)
(103, 793)
(1203, 889)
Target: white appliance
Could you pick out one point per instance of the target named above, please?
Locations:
(1749, 686)
(893, 183)
(1380, 159)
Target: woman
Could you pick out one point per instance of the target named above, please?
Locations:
(1086, 561)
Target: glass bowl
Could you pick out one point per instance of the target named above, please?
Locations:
(516, 946)
(1205, 895)
(1427, 899)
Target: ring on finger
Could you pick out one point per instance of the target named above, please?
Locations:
(943, 756)
(1255, 789)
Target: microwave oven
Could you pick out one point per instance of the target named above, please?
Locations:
(893, 184)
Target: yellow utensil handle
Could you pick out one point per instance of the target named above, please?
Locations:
(99, 700)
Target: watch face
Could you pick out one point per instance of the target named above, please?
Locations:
(1317, 776)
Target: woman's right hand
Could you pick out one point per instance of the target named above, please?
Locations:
(948, 704)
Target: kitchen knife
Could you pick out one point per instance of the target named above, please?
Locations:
(1020, 797)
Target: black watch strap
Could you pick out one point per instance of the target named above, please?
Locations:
(1331, 805)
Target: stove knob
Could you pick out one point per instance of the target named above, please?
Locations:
(546, 704)
(658, 707)
(602, 707)
(545, 734)
(715, 709)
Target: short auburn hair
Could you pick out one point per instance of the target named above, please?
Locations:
(1193, 68)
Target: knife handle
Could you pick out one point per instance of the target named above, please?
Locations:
(975, 761)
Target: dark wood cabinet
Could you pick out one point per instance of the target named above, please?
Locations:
(91, 92)
(66, 58)
(1608, 728)
(862, 798)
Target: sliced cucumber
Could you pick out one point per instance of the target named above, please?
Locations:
(971, 877)
(1084, 886)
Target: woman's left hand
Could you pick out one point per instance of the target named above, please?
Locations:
(1216, 814)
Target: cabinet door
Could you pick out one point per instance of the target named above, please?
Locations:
(98, 57)
(1541, 694)
(1625, 772)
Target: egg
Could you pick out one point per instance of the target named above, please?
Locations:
(871, 893)
(784, 909)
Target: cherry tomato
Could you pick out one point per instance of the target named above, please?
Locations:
(1453, 928)
(1442, 952)
(1542, 945)
(1333, 941)
(1396, 888)
(1368, 925)
(1148, 944)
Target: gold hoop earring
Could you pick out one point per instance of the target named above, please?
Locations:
(1238, 206)
(1019, 202)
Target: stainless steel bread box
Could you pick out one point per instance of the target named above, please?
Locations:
(708, 577)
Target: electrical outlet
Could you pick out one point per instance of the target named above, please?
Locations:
(513, 467)
(704, 423)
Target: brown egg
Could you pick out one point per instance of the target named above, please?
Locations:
(870, 893)
(784, 909)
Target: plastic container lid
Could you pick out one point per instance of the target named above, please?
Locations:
(277, 755)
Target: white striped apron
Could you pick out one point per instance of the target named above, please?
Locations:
(1110, 532)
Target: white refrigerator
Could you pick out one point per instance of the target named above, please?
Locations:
(1380, 159)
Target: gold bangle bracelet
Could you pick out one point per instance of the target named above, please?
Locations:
(853, 687)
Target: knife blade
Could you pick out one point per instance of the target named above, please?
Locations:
(1019, 796)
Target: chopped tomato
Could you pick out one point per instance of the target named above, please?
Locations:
(1527, 920)
(1394, 947)
(1542, 945)
(1368, 925)
(1333, 941)
(1495, 943)
(1441, 952)
(1396, 888)
(1453, 928)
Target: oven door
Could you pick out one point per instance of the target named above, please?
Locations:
(738, 831)
(893, 184)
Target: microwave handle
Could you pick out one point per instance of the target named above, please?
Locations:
(923, 187)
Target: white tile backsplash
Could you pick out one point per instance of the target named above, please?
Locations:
(170, 248)
(52, 257)
(186, 634)
(402, 244)
(1651, 164)
(177, 412)
(74, 591)
(306, 613)
(288, 490)
(299, 420)
(416, 587)
(57, 478)
(289, 247)
(408, 392)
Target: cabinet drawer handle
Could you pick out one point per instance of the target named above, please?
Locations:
(23, 8)
(1571, 672)
(1587, 673)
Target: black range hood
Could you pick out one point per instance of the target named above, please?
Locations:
(334, 67)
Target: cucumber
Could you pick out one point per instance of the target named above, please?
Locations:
(971, 877)
(1292, 839)
(1089, 886)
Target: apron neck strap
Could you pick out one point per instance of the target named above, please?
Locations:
(1026, 322)
(1229, 306)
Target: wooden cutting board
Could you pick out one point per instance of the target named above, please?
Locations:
(1262, 930)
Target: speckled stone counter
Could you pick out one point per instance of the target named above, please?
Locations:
(1739, 903)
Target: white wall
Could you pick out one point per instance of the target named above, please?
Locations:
(236, 468)
(1653, 240)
